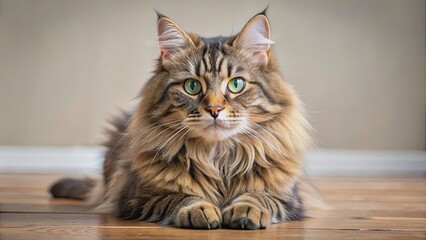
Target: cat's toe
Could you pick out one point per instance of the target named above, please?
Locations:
(246, 216)
(200, 215)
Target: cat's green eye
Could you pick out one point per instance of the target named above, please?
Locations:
(236, 85)
(192, 86)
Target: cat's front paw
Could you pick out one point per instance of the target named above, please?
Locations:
(245, 216)
(201, 215)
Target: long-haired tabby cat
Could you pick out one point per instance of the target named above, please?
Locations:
(216, 140)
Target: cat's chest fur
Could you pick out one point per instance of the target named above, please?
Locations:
(221, 171)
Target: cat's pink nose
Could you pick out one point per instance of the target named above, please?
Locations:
(214, 110)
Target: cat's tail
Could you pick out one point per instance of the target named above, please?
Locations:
(312, 197)
(92, 190)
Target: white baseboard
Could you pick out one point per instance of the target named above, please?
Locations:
(319, 162)
(338, 162)
(51, 159)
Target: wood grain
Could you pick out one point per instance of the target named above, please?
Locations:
(362, 208)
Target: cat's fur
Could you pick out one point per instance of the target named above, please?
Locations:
(172, 162)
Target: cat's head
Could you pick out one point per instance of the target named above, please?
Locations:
(215, 88)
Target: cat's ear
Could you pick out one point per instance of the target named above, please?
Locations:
(255, 38)
(171, 37)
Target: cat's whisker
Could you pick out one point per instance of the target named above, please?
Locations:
(167, 126)
(113, 149)
(265, 141)
(164, 123)
(175, 132)
(249, 133)
(235, 113)
(273, 147)
(151, 129)
(267, 130)
(232, 120)
(194, 121)
(194, 116)
(184, 134)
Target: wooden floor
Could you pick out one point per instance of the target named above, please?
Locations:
(363, 208)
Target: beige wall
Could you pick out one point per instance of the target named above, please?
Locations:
(65, 66)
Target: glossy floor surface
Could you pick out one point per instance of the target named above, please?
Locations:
(362, 208)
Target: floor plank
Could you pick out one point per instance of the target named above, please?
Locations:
(362, 208)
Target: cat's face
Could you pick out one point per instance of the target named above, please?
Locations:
(215, 88)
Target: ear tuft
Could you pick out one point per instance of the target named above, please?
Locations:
(264, 11)
(159, 14)
(170, 36)
(255, 38)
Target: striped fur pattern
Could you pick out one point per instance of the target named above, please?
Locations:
(176, 164)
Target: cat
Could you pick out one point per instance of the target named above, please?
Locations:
(215, 142)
